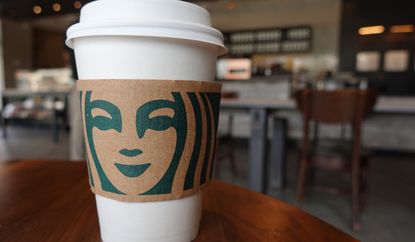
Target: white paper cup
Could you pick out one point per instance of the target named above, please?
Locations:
(146, 39)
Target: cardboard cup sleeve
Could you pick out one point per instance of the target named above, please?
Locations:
(149, 140)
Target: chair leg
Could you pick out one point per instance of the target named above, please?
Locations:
(217, 160)
(232, 158)
(301, 181)
(356, 222)
(312, 174)
(364, 193)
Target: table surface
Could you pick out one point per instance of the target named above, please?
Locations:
(390, 105)
(51, 201)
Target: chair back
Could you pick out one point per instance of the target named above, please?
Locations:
(339, 106)
(229, 95)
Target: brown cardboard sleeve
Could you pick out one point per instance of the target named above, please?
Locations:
(149, 140)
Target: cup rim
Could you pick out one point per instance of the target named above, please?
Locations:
(142, 28)
(146, 27)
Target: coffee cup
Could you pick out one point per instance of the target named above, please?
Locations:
(123, 46)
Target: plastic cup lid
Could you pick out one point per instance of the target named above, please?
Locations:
(151, 18)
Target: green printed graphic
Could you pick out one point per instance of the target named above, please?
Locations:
(91, 179)
(113, 120)
(161, 123)
(209, 135)
(132, 170)
(190, 175)
(131, 153)
(214, 100)
(102, 123)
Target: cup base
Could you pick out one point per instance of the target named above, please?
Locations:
(173, 221)
(186, 236)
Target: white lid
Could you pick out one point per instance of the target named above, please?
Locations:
(153, 18)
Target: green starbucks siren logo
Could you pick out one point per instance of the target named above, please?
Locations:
(144, 143)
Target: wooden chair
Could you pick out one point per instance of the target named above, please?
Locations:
(342, 107)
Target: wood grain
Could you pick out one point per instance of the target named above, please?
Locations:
(51, 201)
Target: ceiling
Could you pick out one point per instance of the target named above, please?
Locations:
(48, 18)
(23, 9)
(59, 21)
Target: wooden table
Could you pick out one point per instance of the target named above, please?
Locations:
(50, 201)
(261, 109)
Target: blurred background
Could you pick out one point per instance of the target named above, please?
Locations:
(275, 49)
